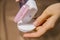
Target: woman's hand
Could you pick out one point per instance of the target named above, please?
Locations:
(17, 0)
(45, 21)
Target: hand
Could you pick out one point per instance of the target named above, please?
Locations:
(46, 21)
(19, 0)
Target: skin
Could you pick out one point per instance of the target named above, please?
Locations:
(49, 17)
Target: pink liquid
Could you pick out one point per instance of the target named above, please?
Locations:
(21, 13)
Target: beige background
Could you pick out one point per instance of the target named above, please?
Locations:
(8, 29)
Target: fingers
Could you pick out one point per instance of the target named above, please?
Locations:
(40, 32)
(41, 19)
(20, 1)
(30, 34)
(17, 0)
(38, 22)
(42, 29)
(50, 11)
(50, 22)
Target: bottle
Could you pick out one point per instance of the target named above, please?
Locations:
(22, 2)
(27, 12)
(25, 15)
(32, 10)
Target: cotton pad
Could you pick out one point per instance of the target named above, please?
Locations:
(25, 27)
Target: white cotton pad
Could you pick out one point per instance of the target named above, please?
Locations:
(25, 27)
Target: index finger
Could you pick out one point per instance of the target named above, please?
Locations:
(38, 33)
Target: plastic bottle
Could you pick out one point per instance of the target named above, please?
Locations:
(22, 2)
(25, 15)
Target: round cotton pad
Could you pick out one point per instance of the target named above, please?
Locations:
(25, 27)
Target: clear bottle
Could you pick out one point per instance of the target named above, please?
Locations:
(27, 12)
(25, 15)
